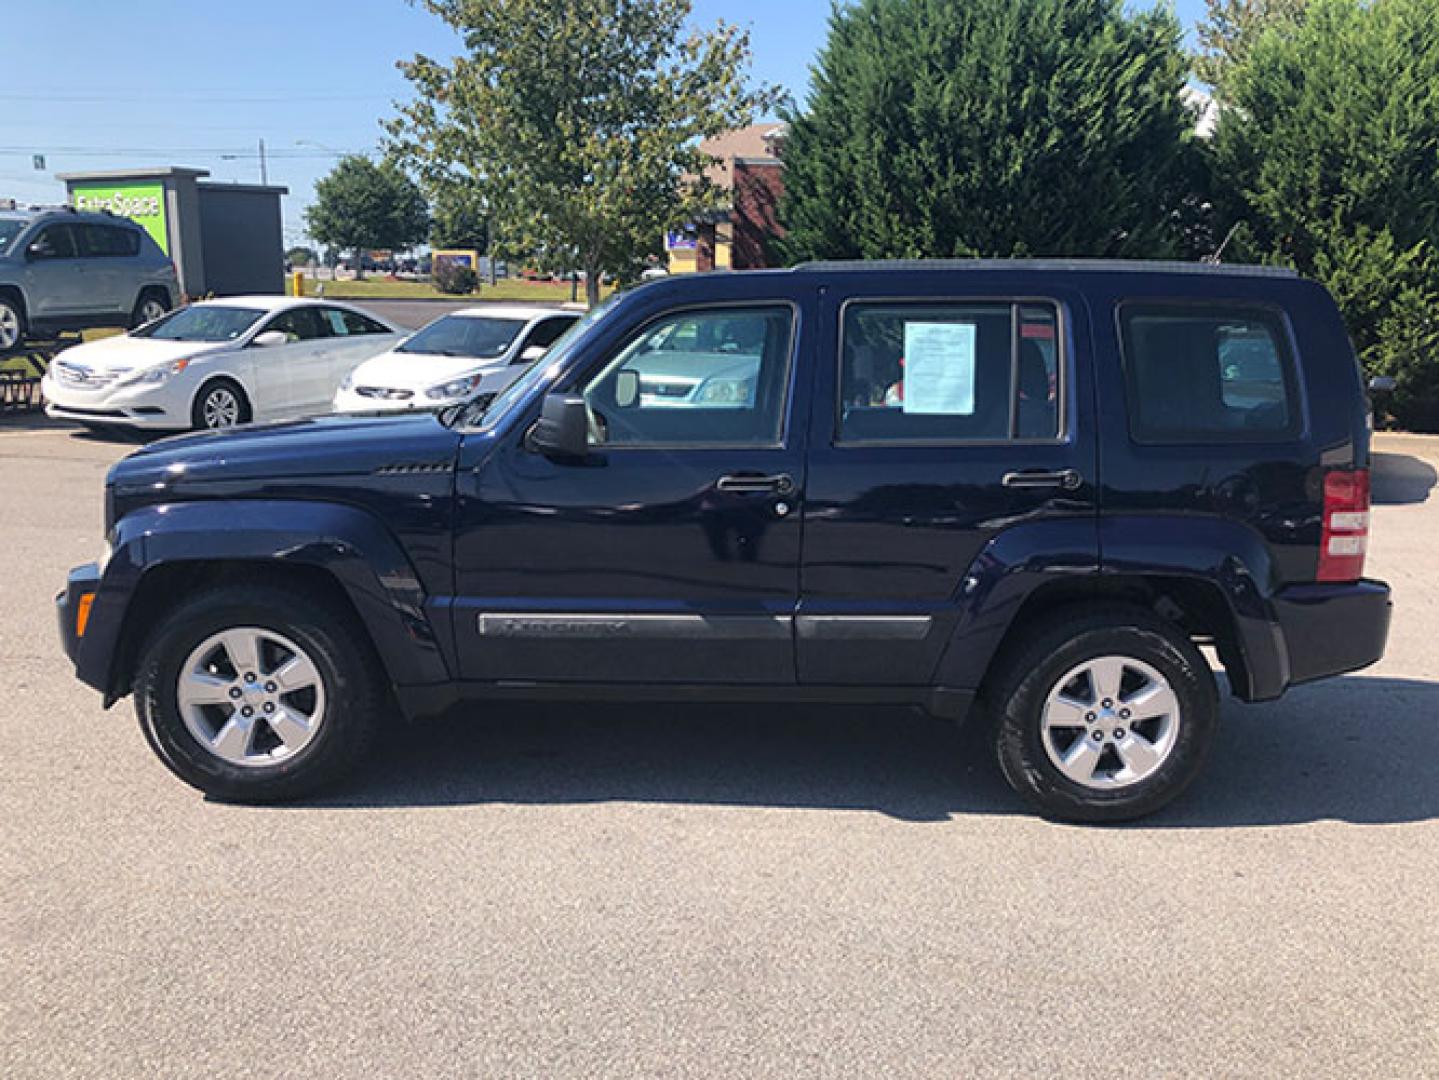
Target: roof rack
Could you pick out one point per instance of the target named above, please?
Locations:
(1099, 266)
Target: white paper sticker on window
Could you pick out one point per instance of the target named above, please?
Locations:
(939, 368)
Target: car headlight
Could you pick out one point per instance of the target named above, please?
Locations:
(154, 375)
(724, 392)
(454, 388)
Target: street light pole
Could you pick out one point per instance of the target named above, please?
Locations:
(264, 172)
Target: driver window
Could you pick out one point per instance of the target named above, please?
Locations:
(716, 377)
(298, 324)
(54, 242)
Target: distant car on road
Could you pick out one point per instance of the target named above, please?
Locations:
(472, 351)
(64, 270)
(217, 364)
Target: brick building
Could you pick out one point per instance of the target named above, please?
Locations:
(737, 236)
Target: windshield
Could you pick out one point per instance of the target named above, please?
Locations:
(9, 229)
(480, 338)
(486, 411)
(203, 322)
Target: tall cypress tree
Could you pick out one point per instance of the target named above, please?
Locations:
(992, 128)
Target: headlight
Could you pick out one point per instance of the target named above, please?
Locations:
(454, 388)
(724, 392)
(154, 375)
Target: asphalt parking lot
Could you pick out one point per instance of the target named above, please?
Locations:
(707, 892)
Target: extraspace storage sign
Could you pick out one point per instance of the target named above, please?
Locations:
(142, 203)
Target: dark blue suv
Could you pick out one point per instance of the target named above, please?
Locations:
(1027, 492)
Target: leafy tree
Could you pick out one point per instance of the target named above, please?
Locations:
(300, 255)
(460, 219)
(361, 205)
(578, 123)
(1229, 29)
(993, 128)
(1328, 157)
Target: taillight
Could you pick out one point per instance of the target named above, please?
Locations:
(1346, 525)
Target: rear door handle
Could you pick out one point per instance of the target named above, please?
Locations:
(1068, 479)
(756, 484)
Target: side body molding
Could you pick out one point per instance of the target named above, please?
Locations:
(348, 543)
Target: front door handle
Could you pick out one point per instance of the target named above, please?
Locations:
(1068, 479)
(756, 484)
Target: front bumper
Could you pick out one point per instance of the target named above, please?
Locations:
(1333, 629)
(138, 406)
(85, 630)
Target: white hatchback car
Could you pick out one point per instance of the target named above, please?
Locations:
(216, 364)
(467, 352)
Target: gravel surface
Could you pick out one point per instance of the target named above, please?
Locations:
(713, 892)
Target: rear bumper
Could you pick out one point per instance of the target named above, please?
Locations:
(1332, 629)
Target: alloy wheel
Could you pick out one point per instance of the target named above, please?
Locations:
(151, 310)
(251, 697)
(9, 327)
(221, 408)
(1110, 722)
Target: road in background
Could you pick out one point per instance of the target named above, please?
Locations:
(712, 891)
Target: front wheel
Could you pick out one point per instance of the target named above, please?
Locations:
(12, 325)
(1104, 716)
(220, 404)
(257, 694)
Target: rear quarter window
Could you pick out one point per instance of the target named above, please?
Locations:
(1207, 374)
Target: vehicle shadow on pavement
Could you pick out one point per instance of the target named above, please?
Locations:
(1357, 749)
(1400, 479)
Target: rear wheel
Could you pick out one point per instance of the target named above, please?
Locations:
(1104, 716)
(220, 404)
(148, 308)
(257, 694)
(12, 324)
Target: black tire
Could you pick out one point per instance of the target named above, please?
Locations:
(139, 317)
(198, 409)
(12, 313)
(355, 701)
(1016, 697)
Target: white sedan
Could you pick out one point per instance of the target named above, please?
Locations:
(216, 364)
(467, 352)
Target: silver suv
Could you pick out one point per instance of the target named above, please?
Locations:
(64, 270)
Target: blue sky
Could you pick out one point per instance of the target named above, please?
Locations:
(95, 84)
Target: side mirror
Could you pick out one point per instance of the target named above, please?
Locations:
(533, 353)
(38, 249)
(270, 338)
(627, 388)
(563, 429)
(1382, 384)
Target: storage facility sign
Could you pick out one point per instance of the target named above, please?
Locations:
(142, 203)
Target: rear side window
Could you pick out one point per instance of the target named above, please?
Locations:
(356, 324)
(949, 372)
(108, 241)
(1198, 375)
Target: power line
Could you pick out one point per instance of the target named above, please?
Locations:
(229, 152)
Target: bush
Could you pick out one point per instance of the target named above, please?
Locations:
(1325, 153)
(454, 278)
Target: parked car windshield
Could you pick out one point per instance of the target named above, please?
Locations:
(486, 411)
(9, 229)
(465, 335)
(202, 323)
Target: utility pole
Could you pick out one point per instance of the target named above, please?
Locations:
(264, 172)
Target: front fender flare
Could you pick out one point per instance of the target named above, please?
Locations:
(347, 543)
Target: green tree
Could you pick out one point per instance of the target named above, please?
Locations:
(300, 255)
(460, 220)
(578, 123)
(1328, 156)
(361, 205)
(993, 128)
(1229, 29)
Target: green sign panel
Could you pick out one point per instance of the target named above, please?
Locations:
(142, 203)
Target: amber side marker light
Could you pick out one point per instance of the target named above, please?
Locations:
(82, 613)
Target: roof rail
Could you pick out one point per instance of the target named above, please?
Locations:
(1098, 266)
